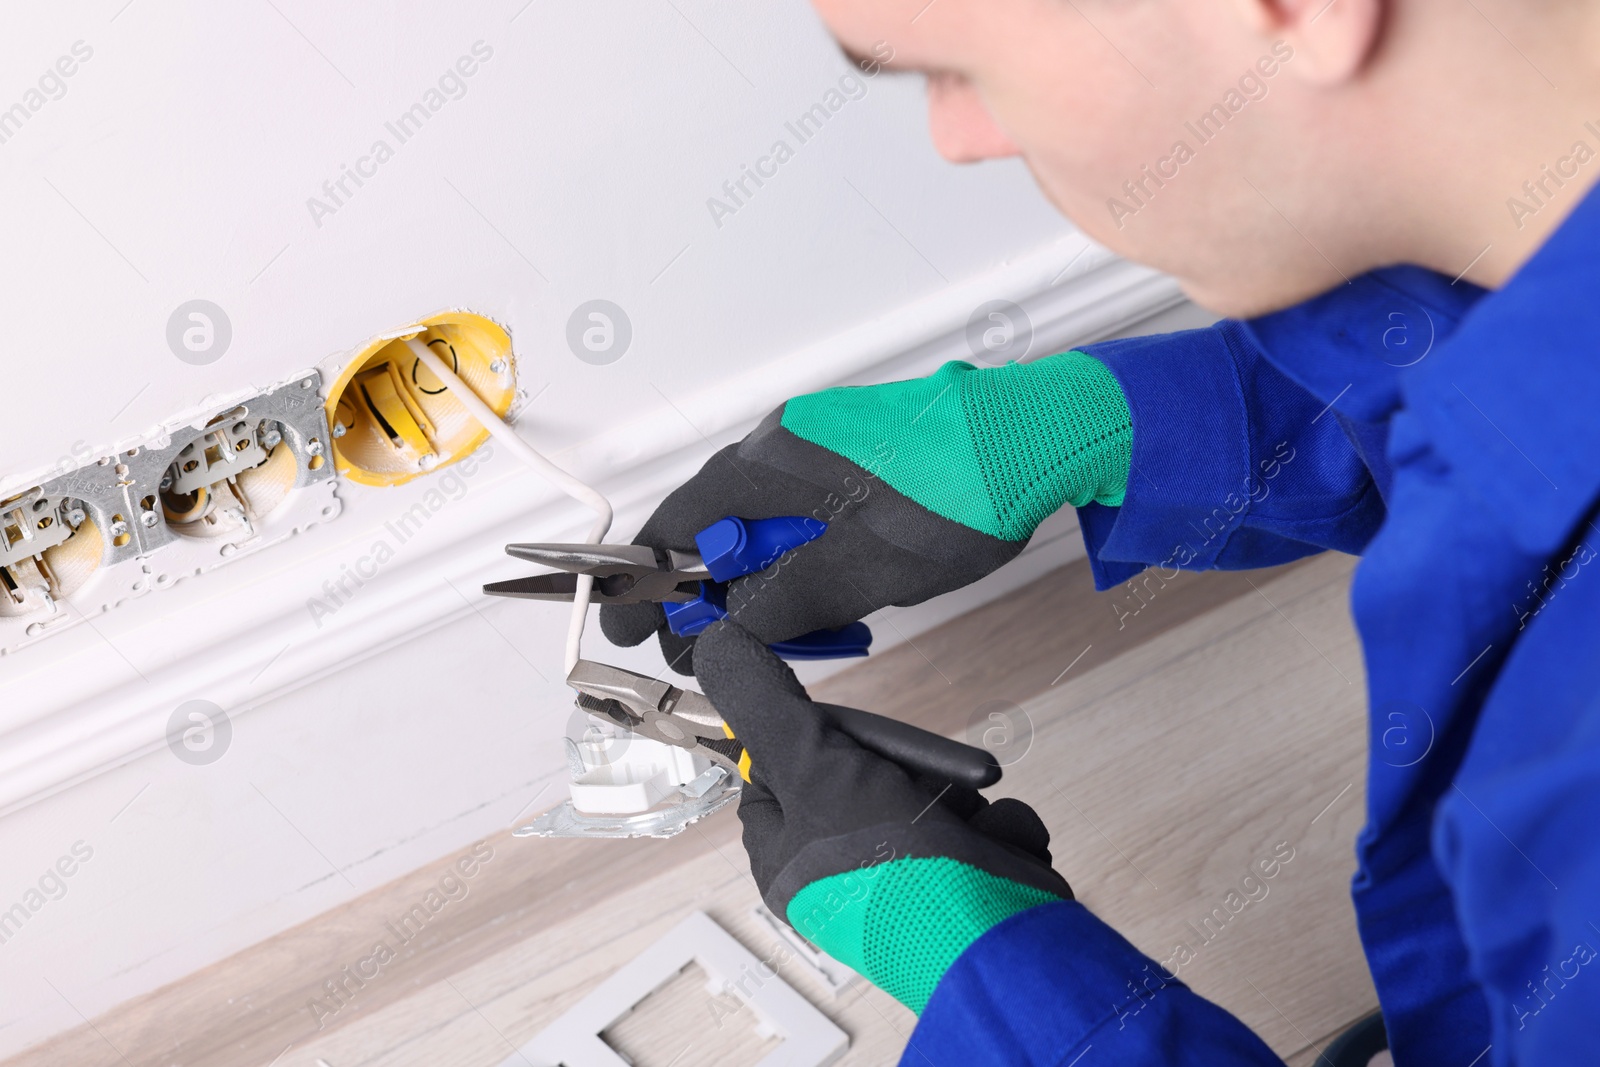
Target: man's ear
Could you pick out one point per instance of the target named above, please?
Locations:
(1332, 39)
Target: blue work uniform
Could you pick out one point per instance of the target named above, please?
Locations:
(1451, 437)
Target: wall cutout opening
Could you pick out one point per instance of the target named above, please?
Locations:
(393, 421)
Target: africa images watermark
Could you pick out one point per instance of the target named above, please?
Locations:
(1551, 583)
(727, 1004)
(851, 888)
(51, 885)
(1217, 524)
(1550, 983)
(855, 493)
(737, 191)
(199, 332)
(451, 85)
(1001, 728)
(1252, 86)
(338, 991)
(1252, 889)
(599, 332)
(199, 732)
(51, 85)
(846, 889)
(448, 487)
(1538, 193)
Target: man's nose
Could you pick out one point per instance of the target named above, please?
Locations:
(963, 131)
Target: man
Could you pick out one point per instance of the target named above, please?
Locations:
(1391, 197)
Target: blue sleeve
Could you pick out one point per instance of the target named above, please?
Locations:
(1234, 464)
(1050, 983)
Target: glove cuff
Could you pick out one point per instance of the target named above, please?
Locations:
(903, 923)
(996, 449)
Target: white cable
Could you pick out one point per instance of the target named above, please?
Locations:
(580, 491)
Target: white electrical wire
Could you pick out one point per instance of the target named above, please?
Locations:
(580, 491)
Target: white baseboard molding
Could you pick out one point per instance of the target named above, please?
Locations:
(101, 693)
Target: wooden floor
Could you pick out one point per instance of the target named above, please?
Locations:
(1169, 753)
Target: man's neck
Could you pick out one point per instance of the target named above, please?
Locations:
(1526, 126)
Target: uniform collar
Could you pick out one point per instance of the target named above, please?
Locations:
(1352, 345)
(1509, 405)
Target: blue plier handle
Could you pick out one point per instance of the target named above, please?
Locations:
(733, 548)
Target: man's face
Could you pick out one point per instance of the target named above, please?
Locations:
(1166, 131)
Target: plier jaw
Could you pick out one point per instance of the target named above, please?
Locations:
(623, 574)
(685, 719)
(690, 586)
(657, 710)
(648, 790)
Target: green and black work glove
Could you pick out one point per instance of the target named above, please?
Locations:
(892, 875)
(926, 485)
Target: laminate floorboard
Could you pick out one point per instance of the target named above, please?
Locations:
(1168, 750)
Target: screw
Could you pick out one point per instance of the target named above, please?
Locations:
(498, 366)
(314, 447)
(428, 461)
(271, 438)
(118, 529)
(149, 518)
(75, 516)
(339, 429)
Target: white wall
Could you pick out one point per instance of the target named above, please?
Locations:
(177, 165)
